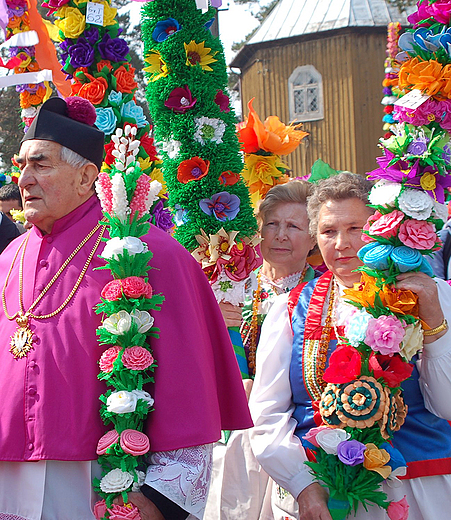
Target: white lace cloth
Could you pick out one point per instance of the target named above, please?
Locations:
(183, 476)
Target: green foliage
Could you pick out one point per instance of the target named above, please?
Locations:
(169, 125)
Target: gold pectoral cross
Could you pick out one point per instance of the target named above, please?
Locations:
(22, 339)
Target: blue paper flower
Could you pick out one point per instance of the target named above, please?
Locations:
(106, 120)
(396, 458)
(223, 206)
(133, 111)
(375, 255)
(164, 29)
(180, 215)
(356, 329)
(425, 267)
(406, 258)
(115, 97)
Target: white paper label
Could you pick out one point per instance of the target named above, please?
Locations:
(94, 13)
(412, 100)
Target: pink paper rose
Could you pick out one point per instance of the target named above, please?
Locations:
(100, 509)
(418, 234)
(369, 223)
(384, 335)
(135, 286)
(135, 442)
(106, 441)
(387, 225)
(310, 436)
(398, 510)
(112, 291)
(108, 358)
(137, 358)
(126, 512)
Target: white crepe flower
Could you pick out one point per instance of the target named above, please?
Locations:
(172, 148)
(440, 211)
(143, 319)
(415, 204)
(330, 438)
(384, 193)
(121, 402)
(209, 129)
(141, 479)
(412, 341)
(116, 481)
(118, 323)
(29, 112)
(116, 246)
(145, 396)
(119, 200)
(152, 195)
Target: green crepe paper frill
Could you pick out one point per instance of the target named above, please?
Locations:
(171, 126)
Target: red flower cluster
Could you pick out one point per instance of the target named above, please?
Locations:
(131, 287)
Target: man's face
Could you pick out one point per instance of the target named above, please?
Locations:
(48, 185)
(7, 205)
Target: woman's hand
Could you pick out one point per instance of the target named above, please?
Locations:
(430, 310)
(231, 314)
(313, 503)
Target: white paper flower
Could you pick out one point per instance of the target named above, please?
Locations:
(145, 396)
(330, 438)
(119, 201)
(209, 129)
(118, 323)
(440, 211)
(116, 246)
(121, 402)
(116, 481)
(143, 319)
(152, 196)
(172, 148)
(384, 193)
(141, 479)
(412, 342)
(415, 204)
(29, 112)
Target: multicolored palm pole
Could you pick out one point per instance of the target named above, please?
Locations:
(362, 404)
(390, 91)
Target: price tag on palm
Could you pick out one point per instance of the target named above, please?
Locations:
(94, 13)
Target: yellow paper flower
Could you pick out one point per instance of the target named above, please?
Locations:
(376, 460)
(198, 54)
(72, 23)
(428, 181)
(18, 215)
(157, 67)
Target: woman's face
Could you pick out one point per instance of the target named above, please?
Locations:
(286, 240)
(339, 234)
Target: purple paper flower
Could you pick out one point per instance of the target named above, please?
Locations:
(164, 29)
(113, 49)
(162, 217)
(446, 155)
(92, 34)
(431, 182)
(223, 206)
(397, 172)
(418, 147)
(222, 100)
(64, 48)
(81, 54)
(351, 452)
(180, 100)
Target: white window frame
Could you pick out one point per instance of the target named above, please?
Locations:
(316, 81)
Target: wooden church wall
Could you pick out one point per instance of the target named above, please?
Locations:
(351, 63)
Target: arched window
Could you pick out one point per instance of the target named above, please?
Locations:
(305, 91)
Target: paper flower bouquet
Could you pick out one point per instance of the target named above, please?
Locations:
(127, 364)
(362, 403)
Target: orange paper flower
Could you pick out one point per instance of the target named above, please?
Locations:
(104, 63)
(125, 79)
(428, 76)
(93, 91)
(272, 135)
(376, 460)
(192, 170)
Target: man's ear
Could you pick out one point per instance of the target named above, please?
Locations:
(88, 175)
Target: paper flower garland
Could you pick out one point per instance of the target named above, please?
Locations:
(262, 144)
(126, 195)
(195, 130)
(362, 404)
(390, 91)
(96, 58)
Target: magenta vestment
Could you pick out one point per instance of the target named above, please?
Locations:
(50, 405)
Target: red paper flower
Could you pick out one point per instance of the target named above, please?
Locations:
(229, 178)
(192, 170)
(392, 369)
(135, 286)
(222, 101)
(344, 365)
(109, 159)
(180, 100)
(112, 291)
(108, 358)
(137, 358)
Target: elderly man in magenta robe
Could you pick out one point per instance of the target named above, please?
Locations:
(49, 421)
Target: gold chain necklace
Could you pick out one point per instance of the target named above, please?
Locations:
(254, 320)
(22, 339)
